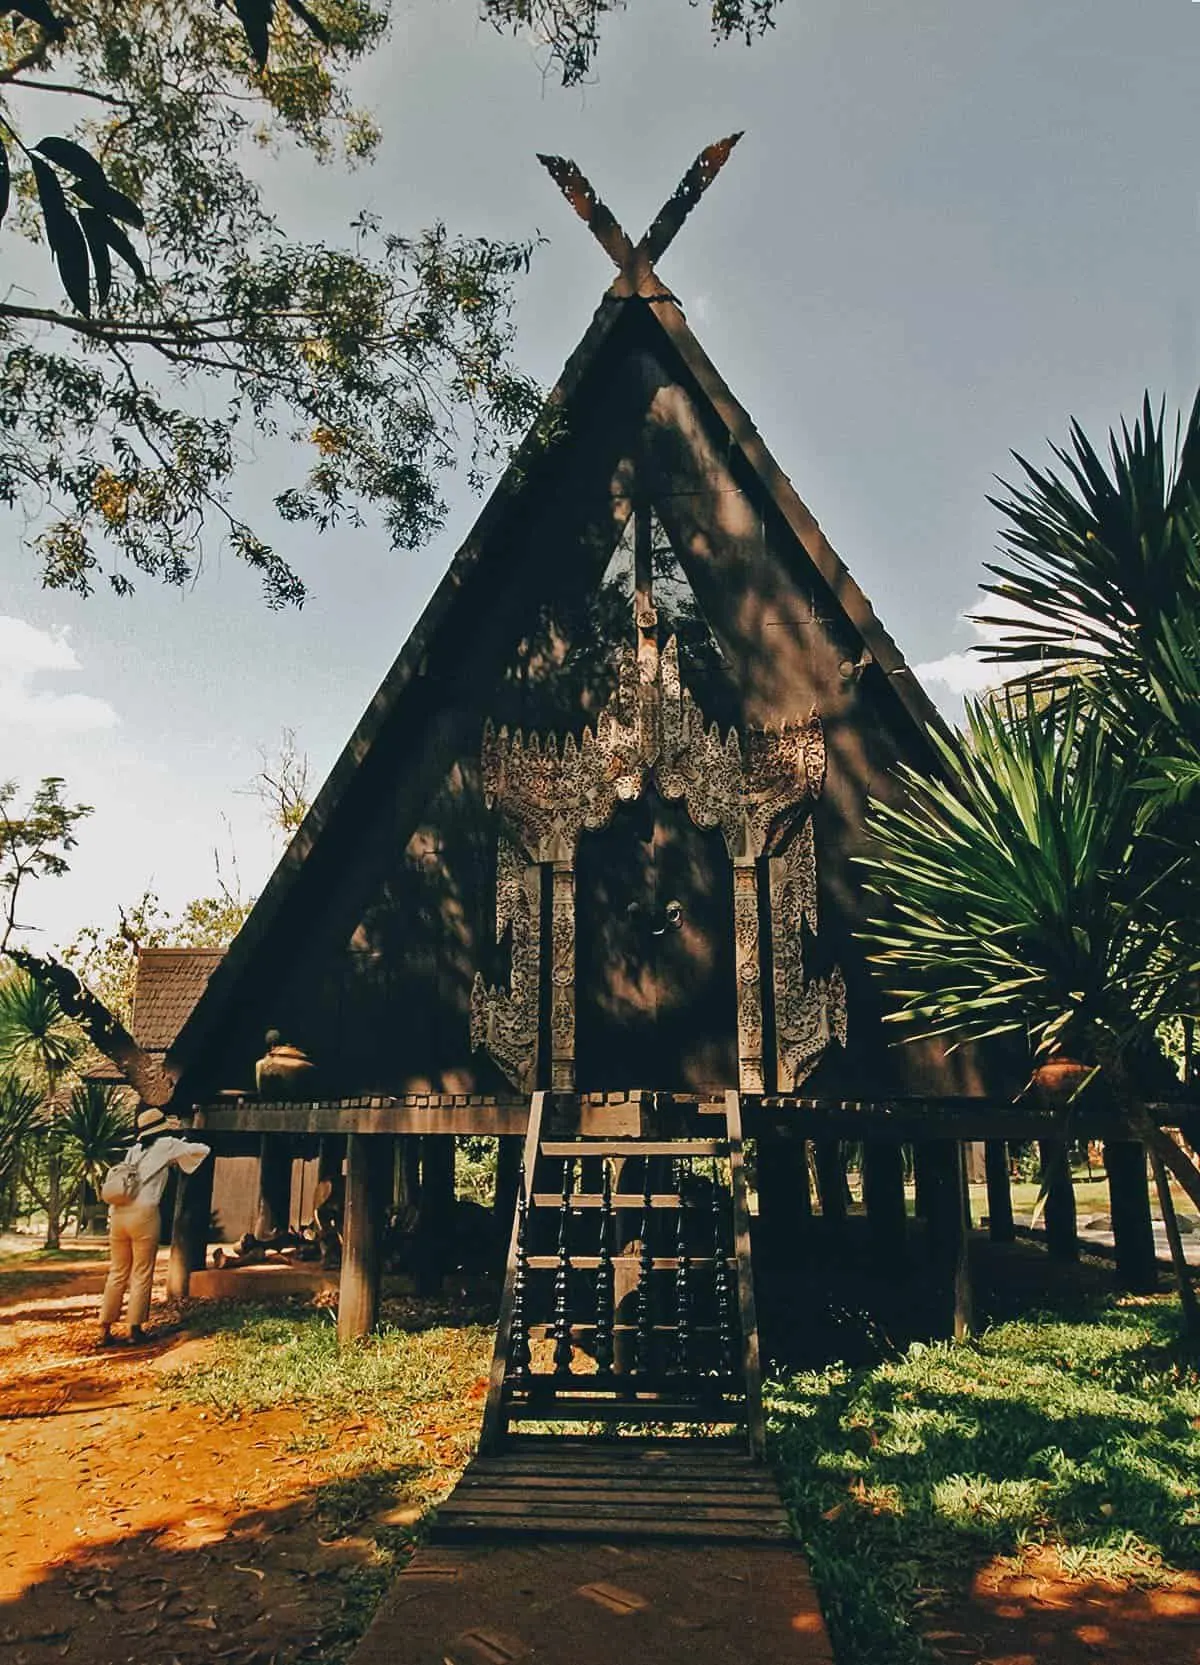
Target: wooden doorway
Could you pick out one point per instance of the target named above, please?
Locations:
(655, 987)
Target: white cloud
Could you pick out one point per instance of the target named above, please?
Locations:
(26, 710)
(966, 671)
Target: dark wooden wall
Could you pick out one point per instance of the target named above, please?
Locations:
(371, 966)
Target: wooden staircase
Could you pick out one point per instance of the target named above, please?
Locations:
(628, 1305)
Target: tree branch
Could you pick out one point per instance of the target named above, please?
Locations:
(75, 92)
(143, 1072)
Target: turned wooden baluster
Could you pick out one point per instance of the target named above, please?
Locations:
(644, 1340)
(721, 1282)
(682, 1270)
(563, 1350)
(519, 1356)
(604, 1282)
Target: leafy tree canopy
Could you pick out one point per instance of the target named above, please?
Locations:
(183, 322)
(34, 841)
(104, 958)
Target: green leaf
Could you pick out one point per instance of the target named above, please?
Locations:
(95, 230)
(67, 154)
(109, 201)
(120, 245)
(255, 18)
(65, 237)
(313, 24)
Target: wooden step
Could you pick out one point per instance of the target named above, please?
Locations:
(689, 1490)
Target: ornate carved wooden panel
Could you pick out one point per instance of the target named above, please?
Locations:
(752, 788)
(749, 976)
(505, 1022)
(562, 977)
(807, 1015)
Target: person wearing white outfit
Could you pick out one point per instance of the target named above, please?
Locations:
(133, 1226)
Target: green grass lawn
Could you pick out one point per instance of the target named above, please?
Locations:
(1083, 1435)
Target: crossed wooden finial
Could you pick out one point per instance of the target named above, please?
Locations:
(635, 265)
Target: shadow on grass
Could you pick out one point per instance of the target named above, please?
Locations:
(1079, 1431)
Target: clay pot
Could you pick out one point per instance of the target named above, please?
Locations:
(285, 1073)
(1056, 1082)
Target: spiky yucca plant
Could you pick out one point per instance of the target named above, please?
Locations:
(1019, 893)
(1050, 885)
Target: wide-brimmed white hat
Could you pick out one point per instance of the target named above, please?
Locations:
(150, 1119)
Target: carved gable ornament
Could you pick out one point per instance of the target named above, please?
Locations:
(758, 790)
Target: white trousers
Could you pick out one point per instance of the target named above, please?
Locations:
(132, 1243)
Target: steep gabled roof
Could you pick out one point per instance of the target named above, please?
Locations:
(169, 983)
(475, 563)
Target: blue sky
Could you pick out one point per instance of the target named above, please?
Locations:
(950, 227)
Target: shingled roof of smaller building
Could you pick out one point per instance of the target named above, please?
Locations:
(169, 983)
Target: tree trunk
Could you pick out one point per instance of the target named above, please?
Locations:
(1183, 1273)
(53, 1199)
(1129, 1203)
(1061, 1239)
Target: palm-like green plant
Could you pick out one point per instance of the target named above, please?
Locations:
(94, 1128)
(1051, 884)
(1020, 894)
(20, 1117)
(38, 1046)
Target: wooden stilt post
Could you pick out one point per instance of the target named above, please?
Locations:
(189, 1229)
(436, 1230)
(831, 1182)
(1062, 1241)
(964, 1300)
(883, 1194)
(784, 1201)
(274, 1184)
(999, 1191)
(1129, 1204)
(945, 1195)
(362, 1229)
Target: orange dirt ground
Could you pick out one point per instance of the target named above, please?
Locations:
(134, 1531)
(131, 1531)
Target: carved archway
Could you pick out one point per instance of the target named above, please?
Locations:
(757, 789)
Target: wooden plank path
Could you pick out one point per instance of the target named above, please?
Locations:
(578, 1603)
(624, 1490)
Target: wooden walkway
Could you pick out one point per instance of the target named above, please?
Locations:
(624, 1490)
(577, 1603)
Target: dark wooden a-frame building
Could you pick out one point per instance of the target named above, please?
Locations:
(583, 877)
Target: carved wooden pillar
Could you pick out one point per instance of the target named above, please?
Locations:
(562, 977)
(748, 971)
